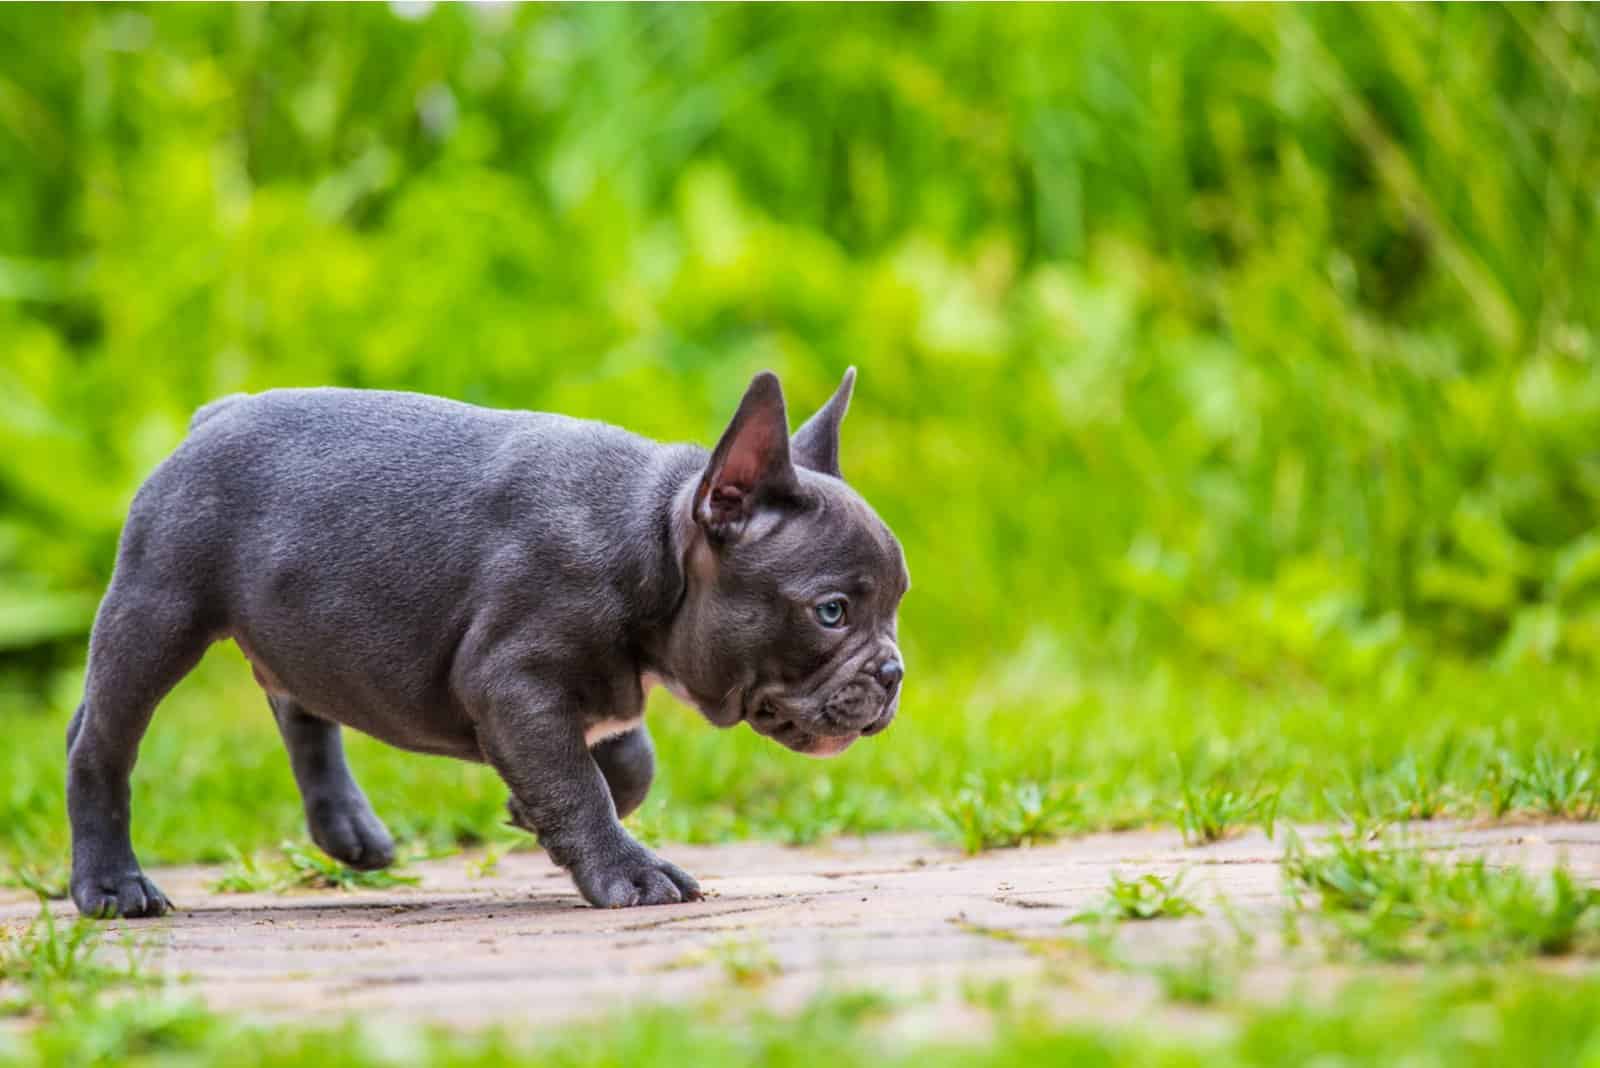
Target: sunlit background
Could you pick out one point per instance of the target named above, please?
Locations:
(1244, 347)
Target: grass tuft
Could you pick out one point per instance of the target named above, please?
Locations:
(57, 964)
(1211, 811)
(984, 816)
(1560, 787)
(1419, 791)
(301, 868)
(46, 882)
(1392, 902)
(1147, 897)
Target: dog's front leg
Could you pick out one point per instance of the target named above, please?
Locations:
(535, 741)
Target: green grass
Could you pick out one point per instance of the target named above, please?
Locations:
(1211, 812)
(1466, 1019)
(985, 814)
(302, 867)
(1561, 786)
(1074, 753)
(1147, 897)
(488, 864)
(48, 882)
(1394, 902)
(1213, 329)
(65, 980)
(1228, 373)
(49, 964)
(1206, 977)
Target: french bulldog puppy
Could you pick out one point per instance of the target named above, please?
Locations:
(498, 586)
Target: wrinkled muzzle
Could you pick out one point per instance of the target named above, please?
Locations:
(825, 726)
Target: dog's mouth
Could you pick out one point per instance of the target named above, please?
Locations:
(825, 736)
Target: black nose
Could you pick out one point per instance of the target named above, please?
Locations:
(890, 672)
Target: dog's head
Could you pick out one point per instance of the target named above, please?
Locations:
(788, 622)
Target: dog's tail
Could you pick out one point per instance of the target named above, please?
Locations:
(204, 413)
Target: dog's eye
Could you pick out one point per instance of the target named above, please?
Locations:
(831, 613)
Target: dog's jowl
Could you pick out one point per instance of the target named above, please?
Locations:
(498, 586)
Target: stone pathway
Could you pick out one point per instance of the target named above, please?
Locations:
(898, 914)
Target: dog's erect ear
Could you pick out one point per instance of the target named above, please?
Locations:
(816, 445)
(750, 466)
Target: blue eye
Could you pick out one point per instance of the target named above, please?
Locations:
(831, 613)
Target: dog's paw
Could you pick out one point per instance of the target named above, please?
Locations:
(108, 896)
(640, 878)
(350, 832)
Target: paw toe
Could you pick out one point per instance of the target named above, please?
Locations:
(353, 836)
(617, 894)
(126, 896)
(645, 880)
(656, 889)
(687, 887)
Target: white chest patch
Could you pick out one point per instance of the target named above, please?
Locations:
(610, 728)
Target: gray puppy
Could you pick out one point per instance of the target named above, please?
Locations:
(498, 586)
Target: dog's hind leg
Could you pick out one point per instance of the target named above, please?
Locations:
(145, 639)
(338, 814)
(628, 762)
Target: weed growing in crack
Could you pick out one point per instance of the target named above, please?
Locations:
(1418, 791)
(1212, 812)
(1147, 897)
(1390, 901)
(984, 816)
(46, 882)
(1559, 787)
(301, 869)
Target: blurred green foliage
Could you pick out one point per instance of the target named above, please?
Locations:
(1262, 336)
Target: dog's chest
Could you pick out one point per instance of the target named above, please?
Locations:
(610, 727)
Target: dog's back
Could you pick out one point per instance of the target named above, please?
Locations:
(325, 528)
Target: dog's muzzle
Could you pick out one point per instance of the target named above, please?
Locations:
(864, 706)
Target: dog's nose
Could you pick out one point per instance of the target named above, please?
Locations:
(890, 672)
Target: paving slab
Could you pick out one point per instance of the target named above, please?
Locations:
(899, 914)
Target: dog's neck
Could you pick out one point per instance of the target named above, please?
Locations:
(661, 549)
